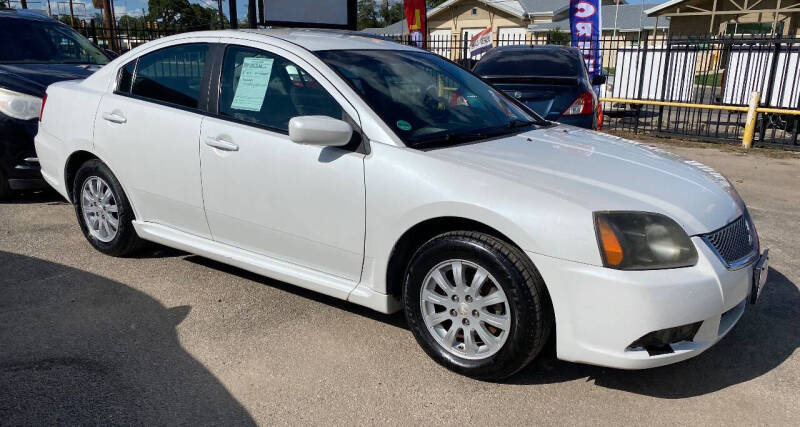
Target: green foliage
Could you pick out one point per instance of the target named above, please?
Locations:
(556, 36)
(185, 14)
(391, 12)
(367, 14)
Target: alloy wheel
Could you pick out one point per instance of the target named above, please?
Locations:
(100, 209)
(465, 309)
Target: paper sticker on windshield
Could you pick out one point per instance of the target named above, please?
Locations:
(253, 82)
(403, 125)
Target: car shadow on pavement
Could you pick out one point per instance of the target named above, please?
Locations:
(47, 196)
(397, 319)
(766, 335)
(77, 348)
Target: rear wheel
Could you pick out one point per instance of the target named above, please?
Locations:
(477, 305)
(103, 210)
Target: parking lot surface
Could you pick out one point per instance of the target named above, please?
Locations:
(172, 338)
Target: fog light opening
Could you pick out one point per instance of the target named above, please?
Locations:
(659, 342)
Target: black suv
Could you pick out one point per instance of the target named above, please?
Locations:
(35, 51)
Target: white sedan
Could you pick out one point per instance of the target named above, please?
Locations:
(390, 177)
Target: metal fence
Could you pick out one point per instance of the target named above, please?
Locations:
(127, 35)
(720, 70)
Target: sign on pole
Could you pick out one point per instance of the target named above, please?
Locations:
(416, 17)
(585, 25)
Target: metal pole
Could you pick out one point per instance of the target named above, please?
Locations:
(232, 12)
(251, 13)
(616, 13)
(750, 123)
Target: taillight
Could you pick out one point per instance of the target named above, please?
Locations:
(599, 116)
(41, 110)
(581, 105)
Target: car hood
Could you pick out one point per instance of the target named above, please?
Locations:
(33, 79)
(601, 172)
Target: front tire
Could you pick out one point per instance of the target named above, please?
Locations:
(477, 305)
(103, 210)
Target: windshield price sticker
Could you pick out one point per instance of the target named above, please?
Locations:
(253, 82)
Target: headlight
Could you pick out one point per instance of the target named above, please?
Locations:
(19, 105)
(642, 241)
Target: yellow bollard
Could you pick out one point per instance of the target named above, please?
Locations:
(750, 123)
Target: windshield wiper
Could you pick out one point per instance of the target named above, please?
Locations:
(449, 139)
(518, 123)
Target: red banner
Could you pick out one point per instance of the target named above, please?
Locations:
(416, 15)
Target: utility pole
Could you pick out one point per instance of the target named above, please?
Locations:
(232, 12)
(221, 16)
(108, 21)
(251, 14)
(71, 15)
(24, 4)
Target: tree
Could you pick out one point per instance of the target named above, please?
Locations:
(433, 3)
(183, 13)
(169, 11)
(367, 14)
(391, 12)
(556, 36)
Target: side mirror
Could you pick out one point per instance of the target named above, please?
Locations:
(322, 131)
(598, 79)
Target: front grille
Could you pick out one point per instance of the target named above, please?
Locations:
(733, 242)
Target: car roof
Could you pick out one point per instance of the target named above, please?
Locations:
(322, 39)
(24, 14)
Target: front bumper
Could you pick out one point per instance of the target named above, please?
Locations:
(600, 312)
(18, 160)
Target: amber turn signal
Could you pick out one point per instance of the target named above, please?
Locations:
(612, 250)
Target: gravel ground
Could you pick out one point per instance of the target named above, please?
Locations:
(171, 338)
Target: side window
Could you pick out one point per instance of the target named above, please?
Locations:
(172, 74)
(126, 77)
(268, 90)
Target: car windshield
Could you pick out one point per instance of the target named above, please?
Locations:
(428, 100)
(27, 41)
(540, 63)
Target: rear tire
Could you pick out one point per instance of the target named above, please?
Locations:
(492, 340)
(103, 210)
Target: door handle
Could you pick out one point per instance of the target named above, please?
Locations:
(221, 144)
(114, 118)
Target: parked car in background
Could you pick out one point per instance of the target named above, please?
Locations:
(389, 176)
(35, 51)
(551, 80)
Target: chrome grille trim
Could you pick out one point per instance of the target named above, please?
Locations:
(735, 244)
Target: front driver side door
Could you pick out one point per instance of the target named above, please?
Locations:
(263, 193)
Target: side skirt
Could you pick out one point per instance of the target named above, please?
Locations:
(294, 274)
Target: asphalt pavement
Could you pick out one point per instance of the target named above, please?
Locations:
(172, 338)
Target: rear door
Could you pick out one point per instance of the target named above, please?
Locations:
(148, 131)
